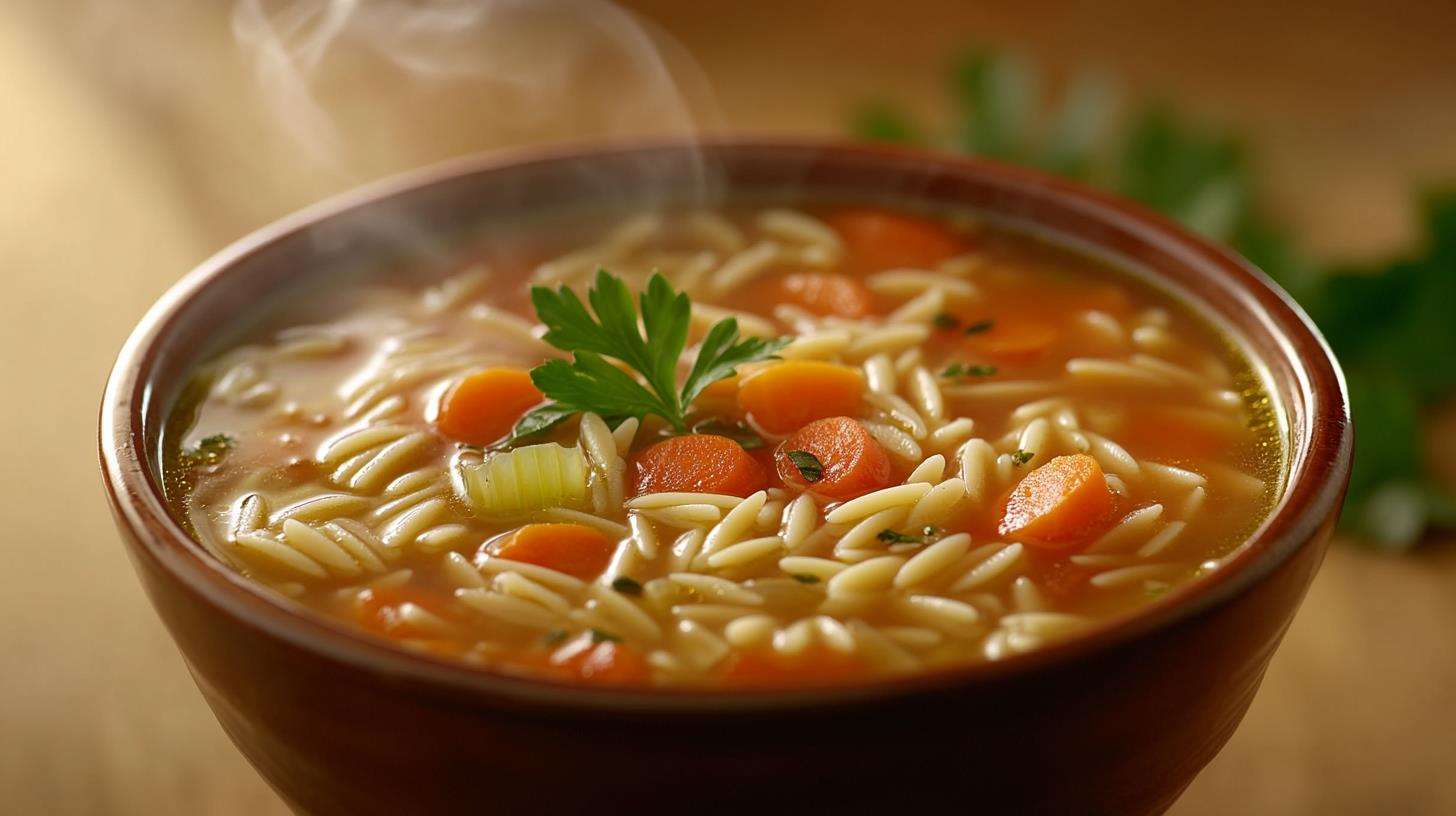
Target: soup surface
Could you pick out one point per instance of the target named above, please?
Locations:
(920, 441)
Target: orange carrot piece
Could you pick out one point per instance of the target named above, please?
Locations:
(534, 664)
(697, 463)
(823, 293)
(377, 610)
(1014, 341)
(818, 666)
(785, 397)
(574, 549)
(582, 659)
(877, 240)
(484, 406)
(1058, 505)
(852, 462)
(609, 663)
(1062, 581)
(719, 397)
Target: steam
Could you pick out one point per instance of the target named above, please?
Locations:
(528, 71)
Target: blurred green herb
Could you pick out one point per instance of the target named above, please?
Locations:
(208, 451)
(968, 370)
(627, 585)
(946, 321)
(1393, 325)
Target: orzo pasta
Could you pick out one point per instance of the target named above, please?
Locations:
(826, 445)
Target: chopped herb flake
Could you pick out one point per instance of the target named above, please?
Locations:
(603, 636)
(946, 321)
(927, 533)
(627, 586)
(555, 637)
(805, 578)
(967, 370)
(980, 326)
(1021, 457)
(208, 451)
(808, 464)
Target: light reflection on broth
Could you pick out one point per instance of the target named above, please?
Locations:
(1006, 443)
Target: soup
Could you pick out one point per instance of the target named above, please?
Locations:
(763, 448)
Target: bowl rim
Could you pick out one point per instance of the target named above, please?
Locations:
(1310, 498)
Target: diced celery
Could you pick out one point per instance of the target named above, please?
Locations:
(535, 477)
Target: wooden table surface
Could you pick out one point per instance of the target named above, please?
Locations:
(138, 142)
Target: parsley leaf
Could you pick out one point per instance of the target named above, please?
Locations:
(808, 464)
(539, 420)
(609, 331)
(980, 326)
(721, 353)
(603, 636)
(1021, 457)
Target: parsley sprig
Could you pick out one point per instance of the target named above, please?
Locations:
(649, 352)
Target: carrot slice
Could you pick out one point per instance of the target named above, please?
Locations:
(574, 549)
(719, 397)
(1014, 341)
(817, 666)
(1058, 505)
(785, 397)
(584, 658)
(609, 663)
(877, 240)
(697, 463)
(851, 462)
(823, 293)
(484, 406)
(378, 610)
(1062, 581)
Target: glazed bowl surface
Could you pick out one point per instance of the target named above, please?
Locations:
(1118, 720)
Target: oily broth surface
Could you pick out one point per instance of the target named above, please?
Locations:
(380, 356)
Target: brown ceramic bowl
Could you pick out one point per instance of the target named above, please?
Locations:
(1116, 721)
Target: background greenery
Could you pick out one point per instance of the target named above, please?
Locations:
(1392, 324)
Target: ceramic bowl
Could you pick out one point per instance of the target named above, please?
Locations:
(1118, 720)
